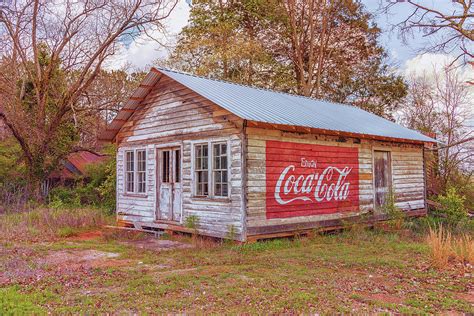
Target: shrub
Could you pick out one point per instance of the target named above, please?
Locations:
(192, 222)
(63, 197)
(396, 215)
(452, 207)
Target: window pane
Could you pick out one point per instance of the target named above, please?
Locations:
(165, 167)
(177, 165)
(217, 162)
(220, 169)
(224, 162)
(141, 171)
(201, 169)
(130, 171)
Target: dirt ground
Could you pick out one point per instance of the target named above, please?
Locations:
(100, 272)
(23, 264)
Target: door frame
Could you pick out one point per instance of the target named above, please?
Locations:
(390, 151)
(158, 147)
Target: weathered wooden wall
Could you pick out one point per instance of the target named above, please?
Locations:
(407, 171)
(173, 114)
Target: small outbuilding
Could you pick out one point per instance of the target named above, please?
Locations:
(248, 163)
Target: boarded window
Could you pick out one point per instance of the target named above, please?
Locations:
(141, 171)
(219, 169)
(201, 169)
(382, 176)
(130, 171)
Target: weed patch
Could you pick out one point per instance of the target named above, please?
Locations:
(46, 223)
(13, 302)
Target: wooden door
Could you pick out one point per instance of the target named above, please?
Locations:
(382, 177)
(169, 184)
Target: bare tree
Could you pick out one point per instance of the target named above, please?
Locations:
(451, 30)
(421, 110)
(51, 52)
(105, 96)
(441, 104)
(456, 128)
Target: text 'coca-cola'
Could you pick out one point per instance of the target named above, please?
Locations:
(305, 179)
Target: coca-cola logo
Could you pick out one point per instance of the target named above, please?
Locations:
(316, 186)
(310, 179)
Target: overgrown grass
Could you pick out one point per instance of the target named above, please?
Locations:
(445, 247)
(48, 223)
(327, 274)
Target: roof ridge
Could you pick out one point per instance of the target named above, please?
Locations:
(256, 87)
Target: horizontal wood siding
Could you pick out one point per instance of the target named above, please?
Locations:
(408, 178)
(407, 175)
(173, 114)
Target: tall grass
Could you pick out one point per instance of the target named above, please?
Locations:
(444, 247)
(47, 223)
(13, 198)
(439, 240)
(464, 249)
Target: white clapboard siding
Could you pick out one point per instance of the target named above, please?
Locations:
(173, 114)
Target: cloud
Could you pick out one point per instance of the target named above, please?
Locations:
(429, 64)
(143, 51)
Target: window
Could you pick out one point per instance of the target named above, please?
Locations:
(135, 171)
(211, 169)
(219, 169)
(202, 170)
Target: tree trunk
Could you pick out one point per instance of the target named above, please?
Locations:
(35, 180)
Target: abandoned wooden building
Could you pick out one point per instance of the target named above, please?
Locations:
(252, 163)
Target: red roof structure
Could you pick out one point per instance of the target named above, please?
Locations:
(76, 164)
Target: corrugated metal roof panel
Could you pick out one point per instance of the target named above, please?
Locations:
(281, 108)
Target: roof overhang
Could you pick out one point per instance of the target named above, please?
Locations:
(311, 130)
(133, 102)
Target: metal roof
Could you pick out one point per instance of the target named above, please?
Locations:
(261, 105)
(281, 108)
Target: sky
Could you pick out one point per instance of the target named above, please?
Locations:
(407, 58)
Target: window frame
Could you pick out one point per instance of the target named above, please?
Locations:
(210, 172)
(135, 172)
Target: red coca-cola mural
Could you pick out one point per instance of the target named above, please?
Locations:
(304, 179)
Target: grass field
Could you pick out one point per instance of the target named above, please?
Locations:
(357, 271)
